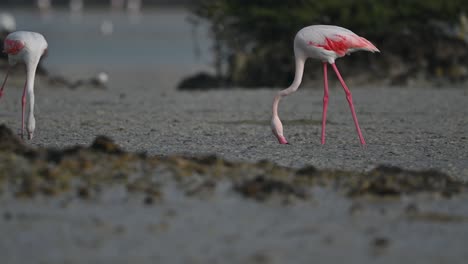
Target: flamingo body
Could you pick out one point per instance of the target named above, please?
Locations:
(27, 48)
(325, 43)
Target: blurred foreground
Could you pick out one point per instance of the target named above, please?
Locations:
(102, 204)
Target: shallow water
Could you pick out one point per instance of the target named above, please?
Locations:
(161, 36)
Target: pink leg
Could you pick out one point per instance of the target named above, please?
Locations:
(325, 101)
(23, 105)
(4, 82)
(350, 102)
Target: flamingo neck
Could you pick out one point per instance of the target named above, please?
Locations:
(293, 87)
(31, 75)
(30, 78)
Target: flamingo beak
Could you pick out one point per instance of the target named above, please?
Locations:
(277, 129)
(282, 140)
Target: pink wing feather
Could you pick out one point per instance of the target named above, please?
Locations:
(337, 39)
(12, 46)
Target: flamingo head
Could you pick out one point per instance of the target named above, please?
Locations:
(277, 129)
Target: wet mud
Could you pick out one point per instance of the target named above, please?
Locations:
(26, 171)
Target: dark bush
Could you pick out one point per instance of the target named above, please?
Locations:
(254, 37)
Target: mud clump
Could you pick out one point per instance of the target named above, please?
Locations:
(383, 181)
(86, 172)
(394, 181)
(105, 144)
(9, 142)
(261, 188)
(436, 217)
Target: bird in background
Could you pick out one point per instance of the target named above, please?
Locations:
(26, 48)
(326, 43)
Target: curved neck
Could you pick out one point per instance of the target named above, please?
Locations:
(30, 77)
(298, 75)
(293, 87)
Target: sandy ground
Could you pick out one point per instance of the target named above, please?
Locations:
(415, 128)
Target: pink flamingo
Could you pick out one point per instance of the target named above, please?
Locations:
(326, 43)
(28, 48)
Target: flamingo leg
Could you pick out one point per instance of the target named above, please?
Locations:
(4, 82)
(23, 105)
(325, 101)
(350, 102)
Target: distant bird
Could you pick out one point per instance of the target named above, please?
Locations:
(28, 48)
(107, 28)
(44, 5)
(326, 43)
(7, 25)
(76, 6)
(7, 22)
(134, 11)
(134, 6)
(117, 4)
(76, 10)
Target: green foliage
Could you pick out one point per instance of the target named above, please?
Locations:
(254, 37)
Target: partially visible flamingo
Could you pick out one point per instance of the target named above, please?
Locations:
(28, 48)
(45, 8)
(326, 43)
(117, 4)
(76, 9)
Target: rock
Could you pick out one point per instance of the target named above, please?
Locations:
(12, 143)
(394, 181)
(105, 144)
(261, 188)
(201, 81)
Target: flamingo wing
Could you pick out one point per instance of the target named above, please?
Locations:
(12, 46)
(337, 39)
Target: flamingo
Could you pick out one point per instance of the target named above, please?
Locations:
(45, 8)
(326, 43)
(28, 48)
(117, 4)
(76, 9)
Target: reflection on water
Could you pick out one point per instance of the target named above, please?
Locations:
(162, 37)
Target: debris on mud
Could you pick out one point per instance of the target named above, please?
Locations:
(394, 181)
(88, 171)
(9, 142)
(261, 188)
(384, 181)
(436, 217)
